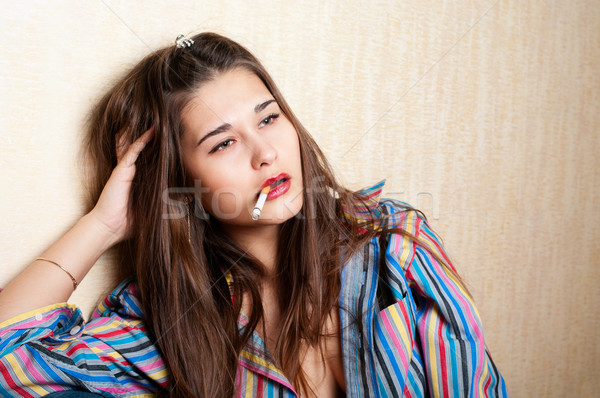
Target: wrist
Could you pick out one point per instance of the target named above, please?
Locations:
(102, 234)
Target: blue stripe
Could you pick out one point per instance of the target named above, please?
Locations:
(343, 306)
(388, 349)
(455, 309)
(504, 391)
(11, 337)
(431, 235)
(411, 379)
(124, 341)
(45, 366)
(454, 364)
(455, 305)
(370, 303)
(83, 354)
(85, 376)
(143, 357)
(270, 392)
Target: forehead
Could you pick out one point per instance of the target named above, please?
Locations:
(224, 98)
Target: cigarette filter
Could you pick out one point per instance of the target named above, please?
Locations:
(262, 198)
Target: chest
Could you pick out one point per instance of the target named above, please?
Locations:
(322, 364)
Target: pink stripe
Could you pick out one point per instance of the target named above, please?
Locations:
(467, 305)
(36, 324)
(156, 364)
(395, 340)
(438, 247)
(266, 374)
(103, 321)
(450, 283)
(397, 246)
(238, 380)
(407, 319)
(103, 346)
(12, 384)
(423, 323)
(31, 370)
(115, 390)
(443, 364)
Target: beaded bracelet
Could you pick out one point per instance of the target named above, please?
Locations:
(75, 284)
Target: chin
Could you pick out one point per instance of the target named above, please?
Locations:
(282, 214)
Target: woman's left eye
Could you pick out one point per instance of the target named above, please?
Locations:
(268, 120)
(222, 146)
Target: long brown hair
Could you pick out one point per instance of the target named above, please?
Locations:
(180, 268)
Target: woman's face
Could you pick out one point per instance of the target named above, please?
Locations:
(236, 141)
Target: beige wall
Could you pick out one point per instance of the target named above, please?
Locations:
(483, 113)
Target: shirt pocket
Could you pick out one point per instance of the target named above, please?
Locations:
(394, 340)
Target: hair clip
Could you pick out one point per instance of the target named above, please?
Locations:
(183, 42)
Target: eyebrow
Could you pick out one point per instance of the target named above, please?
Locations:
(262, 106)
(226, 126)
(221, 129)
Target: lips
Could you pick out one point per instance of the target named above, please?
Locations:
(279, 185)
(275, 181)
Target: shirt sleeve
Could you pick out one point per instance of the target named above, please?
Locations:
(52, 349)
(455, 359)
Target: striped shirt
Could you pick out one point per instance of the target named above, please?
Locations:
(407, 329)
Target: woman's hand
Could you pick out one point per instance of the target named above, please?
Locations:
(43, 283)
(111, 211)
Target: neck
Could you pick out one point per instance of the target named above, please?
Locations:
(261, 242)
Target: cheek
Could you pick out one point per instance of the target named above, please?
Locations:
(295, 154)
(224, 204)
(221, 195)
(290, 142)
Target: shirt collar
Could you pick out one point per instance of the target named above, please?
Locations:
(367, 208)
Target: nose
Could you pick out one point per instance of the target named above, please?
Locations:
(263, 153)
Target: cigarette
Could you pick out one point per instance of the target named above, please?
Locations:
(262, 198)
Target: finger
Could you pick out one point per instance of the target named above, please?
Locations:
(138, 145)
(121, 144)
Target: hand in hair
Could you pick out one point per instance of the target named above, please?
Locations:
(111, 210)
(43, 283)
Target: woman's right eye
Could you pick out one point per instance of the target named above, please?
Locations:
(222, 146)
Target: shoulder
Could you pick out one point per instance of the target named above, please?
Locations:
(410, 234)
(397, 214)
(369, 204)
(407, 225)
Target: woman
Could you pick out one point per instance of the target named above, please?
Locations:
(327, 292)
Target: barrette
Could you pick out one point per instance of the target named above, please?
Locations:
(183, 42)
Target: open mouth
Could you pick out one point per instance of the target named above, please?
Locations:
(279, 182)
(276, 184)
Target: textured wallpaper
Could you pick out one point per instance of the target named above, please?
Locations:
(484, 114)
